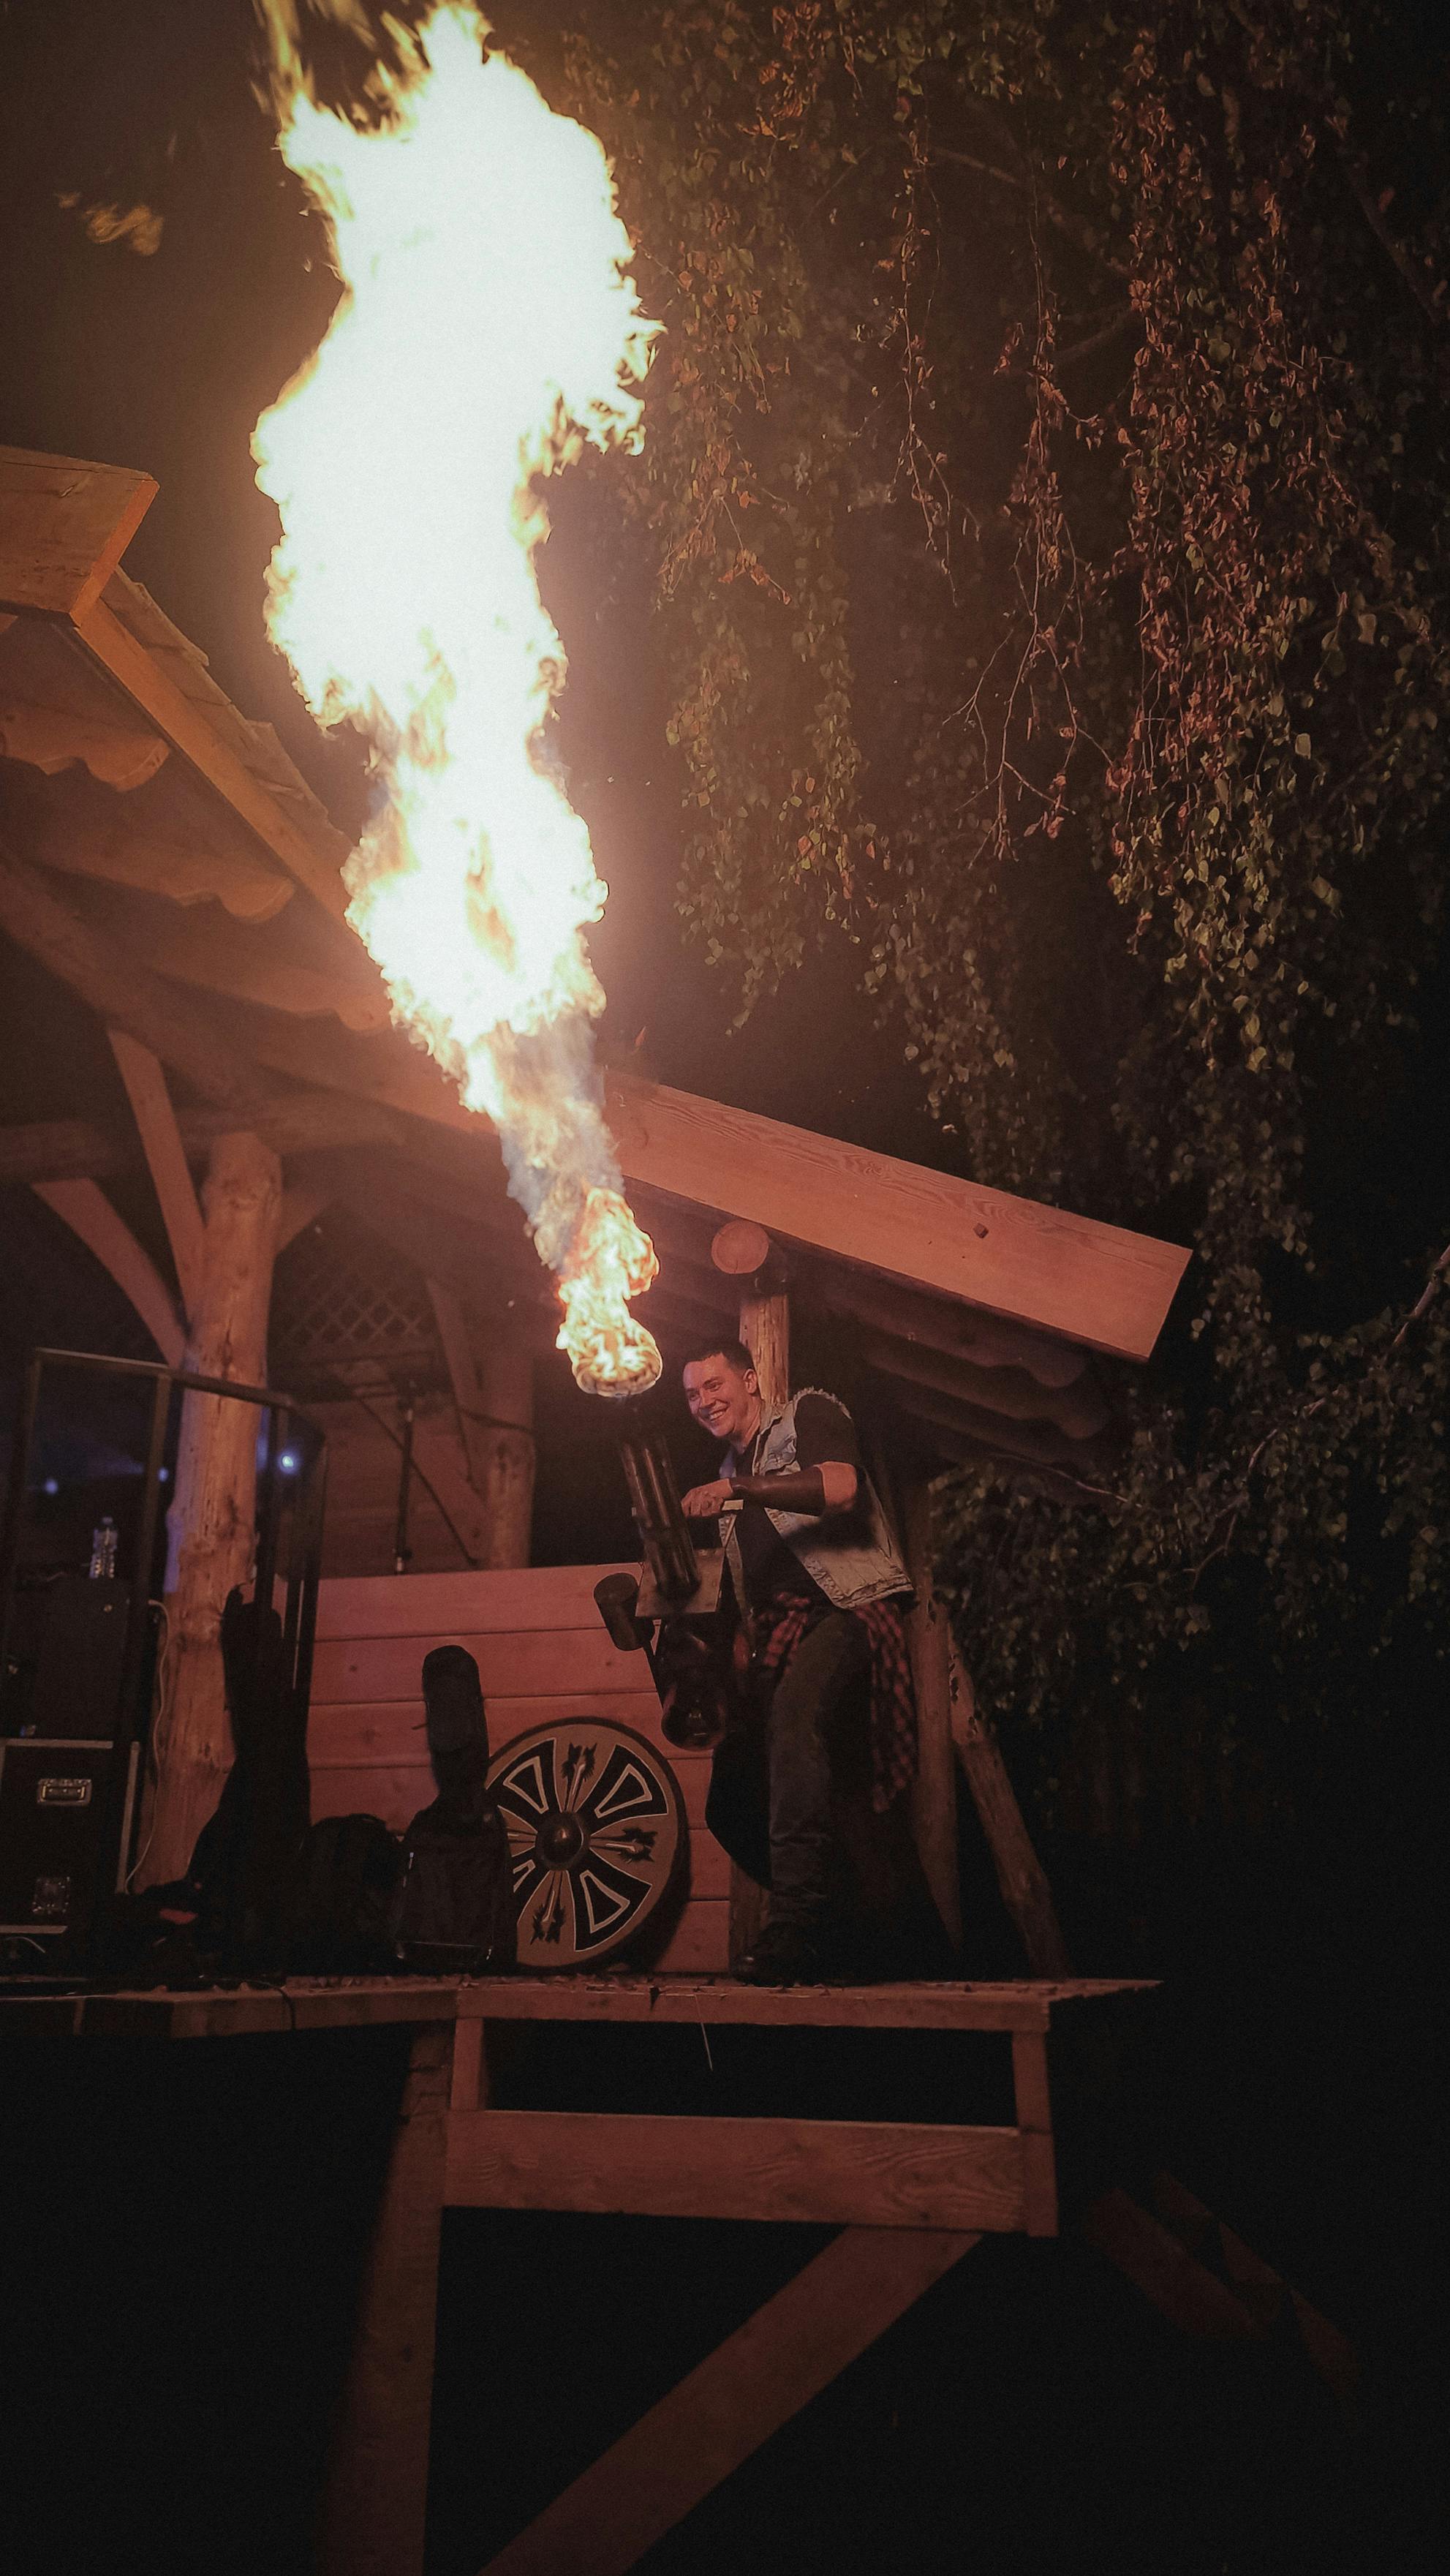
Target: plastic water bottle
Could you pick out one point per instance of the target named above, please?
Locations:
(103, 1551)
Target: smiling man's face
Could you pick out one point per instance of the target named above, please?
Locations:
(726, 1399)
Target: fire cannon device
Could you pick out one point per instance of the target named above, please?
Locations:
(686, 1609)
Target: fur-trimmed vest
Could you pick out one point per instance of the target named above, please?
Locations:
(852, 1568)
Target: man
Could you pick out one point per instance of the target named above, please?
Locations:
(825, 1585)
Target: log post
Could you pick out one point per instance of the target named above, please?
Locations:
(505, 1473)
(493, 1388)
(934, 1790)
(211, 1519)
(745, 1252)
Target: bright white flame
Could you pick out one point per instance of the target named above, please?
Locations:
(488, 327)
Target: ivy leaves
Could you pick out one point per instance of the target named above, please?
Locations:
(1047, 483)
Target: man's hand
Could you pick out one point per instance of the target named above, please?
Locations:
(706, 1502)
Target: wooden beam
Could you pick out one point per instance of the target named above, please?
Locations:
(199, 949)
(51, 739)
(84, 1207)
(376, 2497)
(185, 724)
(64, 526)
(1079, 1410)
(1020, 1874)
(120, 988)
(1062, 1274)
(495, 1401)
(124, 851)
(165, 1154)
(839, 2173)
(1016, 2003)
(1065, 1274)
(609, 2518)
(298, 1122)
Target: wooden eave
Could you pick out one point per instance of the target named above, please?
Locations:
(181, 832)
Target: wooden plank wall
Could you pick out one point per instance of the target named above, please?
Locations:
(541, 1652)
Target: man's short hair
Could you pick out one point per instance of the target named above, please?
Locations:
(725, 1348)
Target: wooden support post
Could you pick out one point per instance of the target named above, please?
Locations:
(211, 1519)
(934, 1790)
(750, 2385)
(745, 1252)
(376, 2500)
(1034, 2123)
(1020, 1874)
(493, 1388)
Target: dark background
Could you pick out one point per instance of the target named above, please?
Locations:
(184, 2240)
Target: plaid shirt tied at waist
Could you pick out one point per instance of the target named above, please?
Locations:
(779, 1628)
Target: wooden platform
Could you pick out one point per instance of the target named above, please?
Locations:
(910, 2198)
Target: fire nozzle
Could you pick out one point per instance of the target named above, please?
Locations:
(664, 1533)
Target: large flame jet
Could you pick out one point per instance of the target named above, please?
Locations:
(488, 327)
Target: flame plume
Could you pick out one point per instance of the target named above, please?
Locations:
(487, 329)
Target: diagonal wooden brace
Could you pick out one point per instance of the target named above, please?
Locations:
(721, 2412)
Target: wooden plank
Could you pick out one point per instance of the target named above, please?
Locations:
(527, 1663)
(699, 1945)
(1065, 1274)
(244, 2012)
(124, 852)
(354, 1606)
(1034, 2121)
(52, 739)
(356, 1732)
(938, 1323)
(85, 1208)
(223, 958)
(468, 2079)
(151, 1107)
(375, 2505)
(64, 526)
(187, 727)
(997, 2005)
(720, 2413)
(845, 2173)
(1079, 1411)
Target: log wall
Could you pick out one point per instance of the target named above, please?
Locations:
(541, 1652)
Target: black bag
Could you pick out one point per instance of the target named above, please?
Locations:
(455, 1914)
(343, 1898)
(455, 1911)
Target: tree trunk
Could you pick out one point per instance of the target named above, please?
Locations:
(211, 1519)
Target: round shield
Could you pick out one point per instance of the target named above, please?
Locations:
(596, 1831)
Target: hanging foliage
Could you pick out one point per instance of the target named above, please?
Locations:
(1046, 476)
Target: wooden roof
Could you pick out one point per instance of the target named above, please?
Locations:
(167, 853)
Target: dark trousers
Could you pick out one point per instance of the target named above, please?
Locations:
(772, 1782)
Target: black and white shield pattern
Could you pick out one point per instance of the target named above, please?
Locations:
(596, 1831)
